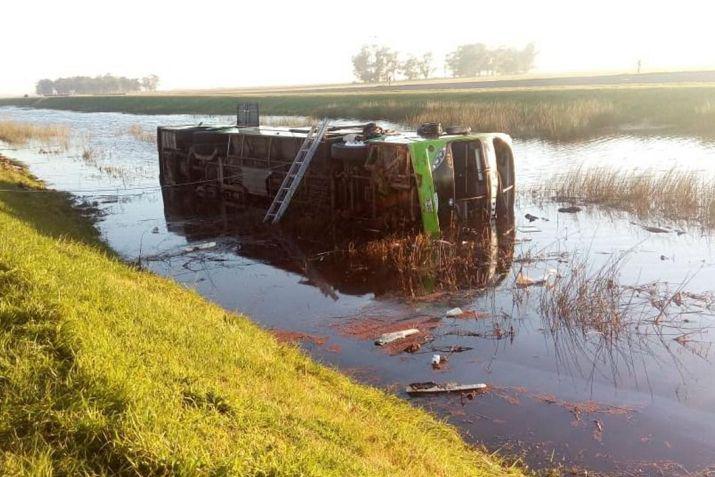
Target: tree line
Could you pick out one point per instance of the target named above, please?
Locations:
(106, 84)
(378, 63)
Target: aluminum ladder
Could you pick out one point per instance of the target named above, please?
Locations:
(295, 174)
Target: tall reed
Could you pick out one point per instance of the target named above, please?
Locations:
(20, 133)
(674, 195)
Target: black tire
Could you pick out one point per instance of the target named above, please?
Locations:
(339, 150)
(454, 130)
(430, 130)
(372, 130)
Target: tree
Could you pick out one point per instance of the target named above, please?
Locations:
(410, 68)
(475, 59)
(374, 63)
(512, 61)
(150, 83)
(413, 67)
(45, 87)
(425, 65)
(504, 61)
(387, 64)
(527, 57)
(468, 60)
(363, 65)
(106, 84)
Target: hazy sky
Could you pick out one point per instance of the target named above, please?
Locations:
(204, 44)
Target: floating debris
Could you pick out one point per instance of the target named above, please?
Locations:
(655, 230)
(412, 348)
(465, 314)
(369, 327)
(395, 335)
(528, 257)
(523, 281)
(529, 229)
(434, 388)
(438, 361)
(201, 246)
(570, 210)
(451, 349)
(465, 333)
(532, 218)
(454, 312)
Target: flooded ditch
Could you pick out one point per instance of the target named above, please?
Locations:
(632, 394)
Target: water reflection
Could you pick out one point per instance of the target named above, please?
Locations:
(348, 262)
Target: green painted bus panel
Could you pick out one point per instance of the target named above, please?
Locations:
(426, 156)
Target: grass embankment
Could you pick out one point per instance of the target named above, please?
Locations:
(565, 113)
(108, 369)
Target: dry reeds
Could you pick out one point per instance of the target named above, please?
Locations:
(20, 133)
(423, 265)
(585, 299)
(673, 195)
(89, 155)
(140, 134)
(554, 120)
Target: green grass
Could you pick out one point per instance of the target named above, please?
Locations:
(108, 369)
(566, 113)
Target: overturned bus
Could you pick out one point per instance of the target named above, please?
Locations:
(357, 174)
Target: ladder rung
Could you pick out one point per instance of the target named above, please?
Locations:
(295, 174)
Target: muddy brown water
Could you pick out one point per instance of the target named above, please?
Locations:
(641, 405)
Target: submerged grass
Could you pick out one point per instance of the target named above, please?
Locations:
(141, 134)
(547, 113)
(20, 133)
(589, 312)
(586, 299)
(107, 369)
(675, 195)
(417, 265)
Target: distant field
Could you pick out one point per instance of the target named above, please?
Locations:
(482, 82)
(554, 113)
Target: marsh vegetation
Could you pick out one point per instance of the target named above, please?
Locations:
(560, 113)
(677, 195)
(18, 133)
(420, 265)
(140, 134)
(583, 298)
